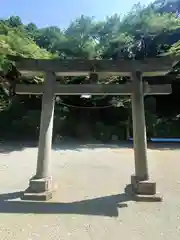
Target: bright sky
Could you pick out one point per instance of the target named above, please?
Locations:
(60, 13)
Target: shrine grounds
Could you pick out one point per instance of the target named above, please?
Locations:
(89, 203)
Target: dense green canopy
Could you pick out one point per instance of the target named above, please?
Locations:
(87, 38)
(144, 32)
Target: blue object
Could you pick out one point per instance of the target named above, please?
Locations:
(162, 139)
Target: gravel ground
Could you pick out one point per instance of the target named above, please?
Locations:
(89, 203)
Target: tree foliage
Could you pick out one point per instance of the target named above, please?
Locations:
(85, 37)
(143, 32)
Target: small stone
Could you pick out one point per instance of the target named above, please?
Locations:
(114, 138)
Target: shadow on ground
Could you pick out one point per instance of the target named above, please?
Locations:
(102, 206)
(8, 147)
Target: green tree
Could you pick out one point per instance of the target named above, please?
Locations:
(14, 21)
(80, 41)
(50, 38)
(144, 32)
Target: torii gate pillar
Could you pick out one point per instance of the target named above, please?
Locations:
(142, 187)
(41, 186)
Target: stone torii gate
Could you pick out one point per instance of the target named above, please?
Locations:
(41, 185)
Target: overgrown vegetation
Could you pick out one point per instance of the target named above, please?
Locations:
(143, 32)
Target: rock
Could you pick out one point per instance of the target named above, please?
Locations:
(114, 138)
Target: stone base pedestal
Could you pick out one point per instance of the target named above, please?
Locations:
(144, 190)
(39, 189)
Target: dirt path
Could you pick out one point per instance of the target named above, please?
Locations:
(89, 203)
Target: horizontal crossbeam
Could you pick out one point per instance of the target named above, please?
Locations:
(92, 89)
(78, 67)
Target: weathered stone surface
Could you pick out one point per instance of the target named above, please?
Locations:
(143, 191)
(147, 198)
(146, 187)
(39, 189)
(44, 196)
(40, 185)
(140, 197)
(74, 67)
